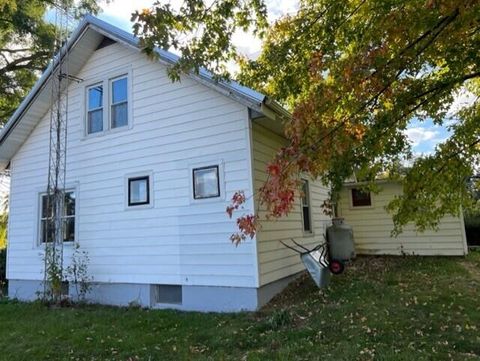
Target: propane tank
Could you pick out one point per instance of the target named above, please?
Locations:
(340, 240)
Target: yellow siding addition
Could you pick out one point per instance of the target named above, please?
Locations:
(372, 228)
(275, 260)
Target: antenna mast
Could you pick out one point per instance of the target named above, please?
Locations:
(53, 232)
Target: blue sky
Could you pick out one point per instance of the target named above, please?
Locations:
(423, 135)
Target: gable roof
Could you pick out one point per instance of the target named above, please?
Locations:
(84, 40)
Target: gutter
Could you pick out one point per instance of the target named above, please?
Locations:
(277, 108)
(377, 181)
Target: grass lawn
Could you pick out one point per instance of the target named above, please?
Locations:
(380, 309)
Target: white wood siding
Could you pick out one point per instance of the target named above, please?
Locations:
(276, 261)
(175, 126)
(372, 227)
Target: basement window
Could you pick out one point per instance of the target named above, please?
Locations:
(68, 218)
(361, 198)
(167, 294)
(206, 182)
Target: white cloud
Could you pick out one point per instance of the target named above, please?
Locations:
(463, 98)
(418, 135)
(278, 8)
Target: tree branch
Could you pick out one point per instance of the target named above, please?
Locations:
(445, 21)
(16, 50)
(17, 63)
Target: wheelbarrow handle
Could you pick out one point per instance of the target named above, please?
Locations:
(292, 248)
(302, 247)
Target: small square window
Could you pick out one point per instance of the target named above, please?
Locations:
(138, 191)
(361, 198)
(206, 182)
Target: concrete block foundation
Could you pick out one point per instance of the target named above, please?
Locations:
(193, 298)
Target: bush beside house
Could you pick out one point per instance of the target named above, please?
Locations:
(3, 230)
(472, 228)
(3, 252)
(3, 267)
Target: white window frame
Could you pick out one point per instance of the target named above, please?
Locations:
(221, 181)
(352, 207)
(38, 219)
(140, 174)
(106, 81)
(87, 110)
(111, 103)
(309, 200)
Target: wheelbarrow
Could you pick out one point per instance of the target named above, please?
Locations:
(317, 261)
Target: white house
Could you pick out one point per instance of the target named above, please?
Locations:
(372, 225)
(151, 167)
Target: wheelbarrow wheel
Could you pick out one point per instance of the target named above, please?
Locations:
(336, 267)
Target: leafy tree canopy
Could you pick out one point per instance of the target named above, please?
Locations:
(354, 73)
(26, 39)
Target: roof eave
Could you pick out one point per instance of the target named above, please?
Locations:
(232, 89)
(40, 83)
(277, 109)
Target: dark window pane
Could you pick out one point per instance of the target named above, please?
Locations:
(69, 205)
(45, 205)
(69, 229)
(119, 90)
(306, 219)
(95, 121)
(43, 235)
(306, 206)
(119, 115)
(138, 192)
(95, 97)
(361, 198)
(206, 183)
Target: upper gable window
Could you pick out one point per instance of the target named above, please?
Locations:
(119, 102)
(107, 105)
(95, 109)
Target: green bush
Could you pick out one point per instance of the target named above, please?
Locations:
(472, 227)
(3, 230)
(472, 221)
